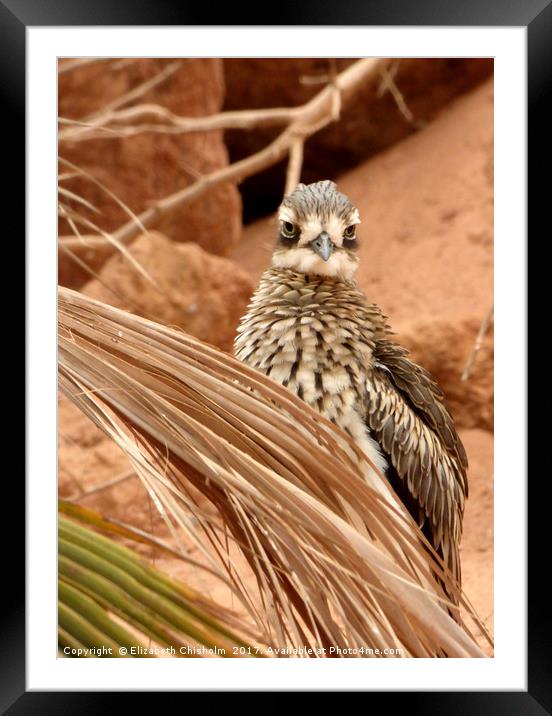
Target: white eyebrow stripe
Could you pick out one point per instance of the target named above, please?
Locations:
(286, 214)
(355, 218)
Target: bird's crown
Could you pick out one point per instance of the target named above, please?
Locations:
(319, 199)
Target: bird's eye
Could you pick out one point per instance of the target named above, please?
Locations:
(349, 232)
(288, 229)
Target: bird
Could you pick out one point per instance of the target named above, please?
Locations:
(311, 328)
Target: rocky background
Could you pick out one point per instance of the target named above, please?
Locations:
(421, 178)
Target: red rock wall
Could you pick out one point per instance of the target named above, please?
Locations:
(204, 295)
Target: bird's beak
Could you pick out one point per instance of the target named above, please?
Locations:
(322, 245)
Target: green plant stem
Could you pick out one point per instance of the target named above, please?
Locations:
(88, 609)
(116, 599)
(165, 607)
(83, 631)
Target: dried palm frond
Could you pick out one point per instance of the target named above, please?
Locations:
(340, 567)
(111, 603)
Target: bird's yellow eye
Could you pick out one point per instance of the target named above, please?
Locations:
(349, 232)
(288, 229)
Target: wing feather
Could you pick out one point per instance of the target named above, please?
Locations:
(408, 417)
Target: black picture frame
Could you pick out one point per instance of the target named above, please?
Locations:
(536, 16)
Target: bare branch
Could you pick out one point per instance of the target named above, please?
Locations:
(116, 123)
(309, 119)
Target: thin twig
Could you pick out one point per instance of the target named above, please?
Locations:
(79, 199)
(104, 486)
(388, 84)
(478, 342)
(75, 64)
(68, 65)
(107, 237)
(136, 92)
(73, 218)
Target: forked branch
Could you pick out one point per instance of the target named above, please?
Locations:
(302, 123)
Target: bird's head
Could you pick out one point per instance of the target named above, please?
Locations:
(317, 232)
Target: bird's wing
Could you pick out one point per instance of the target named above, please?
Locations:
(407, 417)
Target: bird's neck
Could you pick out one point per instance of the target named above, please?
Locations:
(304, 279)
